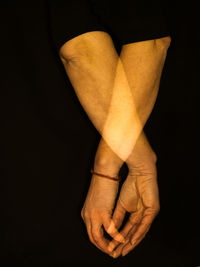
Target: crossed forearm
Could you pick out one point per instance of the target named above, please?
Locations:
(143, 63)
(117, 93)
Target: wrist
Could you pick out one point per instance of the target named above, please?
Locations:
(106, 161)
(107, 166)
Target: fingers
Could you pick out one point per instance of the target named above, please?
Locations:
(141, 231)
(95, 238)
(118, 251)
(132, 224)
(89, 231)
(98, 236)
(130, 246)
(96, 233)
(111, 229)
(145, 224)
(118, 215)
(113, 244)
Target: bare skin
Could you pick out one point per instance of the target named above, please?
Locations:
(142, 64)
(98, 75)
(138, 196)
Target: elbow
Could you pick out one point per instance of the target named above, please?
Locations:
(163, 43)
(86, 46)
(68, 52)
(75, 48)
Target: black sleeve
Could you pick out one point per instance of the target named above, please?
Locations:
(132, 20)
(126, 22)
(70, 18)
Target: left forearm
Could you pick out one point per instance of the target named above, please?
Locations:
(118, 93)
(143, 63)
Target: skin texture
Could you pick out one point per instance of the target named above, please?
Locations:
(97, 75)
(97, 211)
(138, 196)
(111, 91)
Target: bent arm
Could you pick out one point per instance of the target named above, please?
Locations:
(143, 64)
(107, 85)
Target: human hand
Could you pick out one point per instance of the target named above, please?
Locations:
(139, 196)
(97, 212)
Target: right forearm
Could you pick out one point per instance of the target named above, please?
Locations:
(97, 75)
(90, 62)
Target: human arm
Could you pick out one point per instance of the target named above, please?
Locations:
(98, 76)
(75, 60)
(145, 94)
(139, 197)
(143, 64)
(96, 73)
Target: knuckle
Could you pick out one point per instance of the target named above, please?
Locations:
(91, 240)
(157, 209)
(95, 237)
(133, 221)
(143, 224)
(154, 210)
(163, 42)
(82, 214)
(86, 215)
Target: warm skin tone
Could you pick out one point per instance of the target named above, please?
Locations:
(97, 77)
(111, 89)
(138, 196)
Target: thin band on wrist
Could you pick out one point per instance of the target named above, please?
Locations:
(106, 176)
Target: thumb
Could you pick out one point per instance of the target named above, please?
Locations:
(111, 229)
(118, 215)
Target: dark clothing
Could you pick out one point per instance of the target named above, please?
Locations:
(48, 143)
(131, 21)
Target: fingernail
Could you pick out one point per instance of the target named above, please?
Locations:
(114, 255)
(120, 238)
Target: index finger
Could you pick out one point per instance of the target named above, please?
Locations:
(98, 235)
(111, 229)
(100, 240)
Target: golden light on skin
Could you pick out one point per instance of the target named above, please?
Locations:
(138, 73)
(108, 94)
(117, 93)
(122, 126)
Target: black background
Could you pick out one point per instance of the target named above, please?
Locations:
(46, 137)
